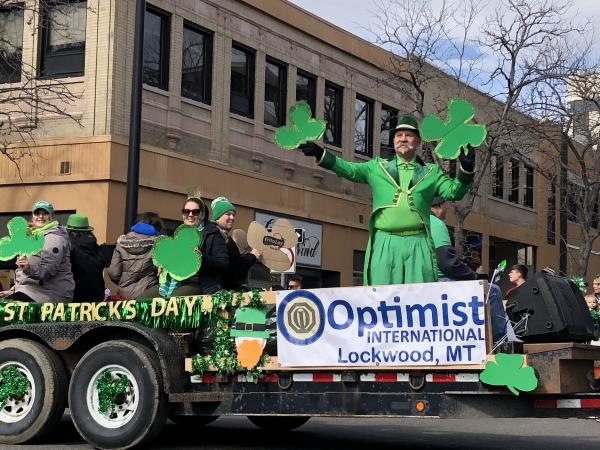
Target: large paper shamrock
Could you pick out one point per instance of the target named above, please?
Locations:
(455, 133)
(19, 241)
(508, 370)
(178, 256)
(275, 245)
(303, 128)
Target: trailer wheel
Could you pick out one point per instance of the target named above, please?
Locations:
(194, 421)
(136, 413)
(278, 423)
(44, 380)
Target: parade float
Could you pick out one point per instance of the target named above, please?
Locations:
(279, 357)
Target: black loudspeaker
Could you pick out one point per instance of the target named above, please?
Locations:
(557, 310)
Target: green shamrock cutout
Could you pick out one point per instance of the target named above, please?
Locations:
(455, 133)
(19, 241)
(178, 256)
(508, 370)
(303, 128)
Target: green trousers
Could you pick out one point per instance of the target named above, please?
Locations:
(400, 259)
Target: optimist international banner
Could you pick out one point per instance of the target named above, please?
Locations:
(424, 324)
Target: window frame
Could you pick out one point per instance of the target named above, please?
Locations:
(312, 89)
(514, 192)
(281, 113)
(44, 54)
(387, 148)
(498, 167)
(370, 106)
(250, 81)
(165, 47)
(207, 63)
(528, 198)
(339, 97)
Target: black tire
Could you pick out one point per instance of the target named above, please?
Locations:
(278, 423)
(149, 411)
(193, 421)
(49, 386)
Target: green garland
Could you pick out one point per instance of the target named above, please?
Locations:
(13, 384)
(108, 389)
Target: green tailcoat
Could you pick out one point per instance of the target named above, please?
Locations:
(381, 175)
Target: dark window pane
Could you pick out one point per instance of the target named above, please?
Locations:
(528, 200)
(156, 48)
(11, 44)
(551, 216)
(358, 262)
(306, 89)
(514, 177)
(275, 94)
(196, 65)
(333, 115)
(63, 39)
(498, 174)
(242, 82)
(389, 117)
(363, 141)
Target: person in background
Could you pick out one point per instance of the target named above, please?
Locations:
(596, 288)
(591, 302)
(87, 263)
(223, 214)
(295, 283)
(517, 276)
(47, 276)
(131, 267)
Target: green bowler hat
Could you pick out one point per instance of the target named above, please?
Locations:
(250, 322)
(407, 122)
(78, 222)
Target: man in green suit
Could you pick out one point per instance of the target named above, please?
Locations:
(400, 248)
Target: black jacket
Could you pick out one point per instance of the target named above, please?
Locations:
(215, 259)
(452, 266)
(239, 265)
(87, 264)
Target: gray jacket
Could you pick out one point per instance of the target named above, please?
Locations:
(48, 276)
(131, 266)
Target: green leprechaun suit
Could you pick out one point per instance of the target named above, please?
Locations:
(400, 248)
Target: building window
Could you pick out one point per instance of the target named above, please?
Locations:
(11, 44)
(157, 31)
(551, 216)
(63, 39)
(306, 89)
(196, 64)
(528, 200)
(333, 114)
(275, 92)
(498, 177)
(574, 199)
(363, 126)
(242, 81)
(389, 117)
(358, 263)
(513, 195)
(595, 222)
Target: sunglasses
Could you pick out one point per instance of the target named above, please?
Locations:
(193, 212)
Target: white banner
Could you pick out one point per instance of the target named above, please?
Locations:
(425, 324)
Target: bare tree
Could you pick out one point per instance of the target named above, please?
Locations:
(26, 95)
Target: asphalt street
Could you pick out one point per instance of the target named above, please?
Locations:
(333, 433)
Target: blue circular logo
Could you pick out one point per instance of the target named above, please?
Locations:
(301, 318)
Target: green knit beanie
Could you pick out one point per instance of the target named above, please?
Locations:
(220, 206)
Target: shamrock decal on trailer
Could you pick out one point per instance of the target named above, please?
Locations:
(454, 134)
(19, 240)
(303, 128)
(178, 256)
(508, 370)
(250, 333)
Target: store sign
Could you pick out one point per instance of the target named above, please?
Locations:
(424, 324)
(308, 251)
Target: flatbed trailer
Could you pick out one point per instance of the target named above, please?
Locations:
(63, 364)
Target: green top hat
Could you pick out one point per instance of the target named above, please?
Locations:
(78, 222)
(407, 122)
(250, 322)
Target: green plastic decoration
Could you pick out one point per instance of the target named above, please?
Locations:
(580, 283)
(303, 128)
(13, 384)
(508, 370)
(454, 134)
(108, 387)
(19, 241)
(178, 256)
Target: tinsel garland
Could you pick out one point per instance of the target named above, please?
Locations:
(580, 283)
(596, 320)
(13, 384)
(108, 388)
